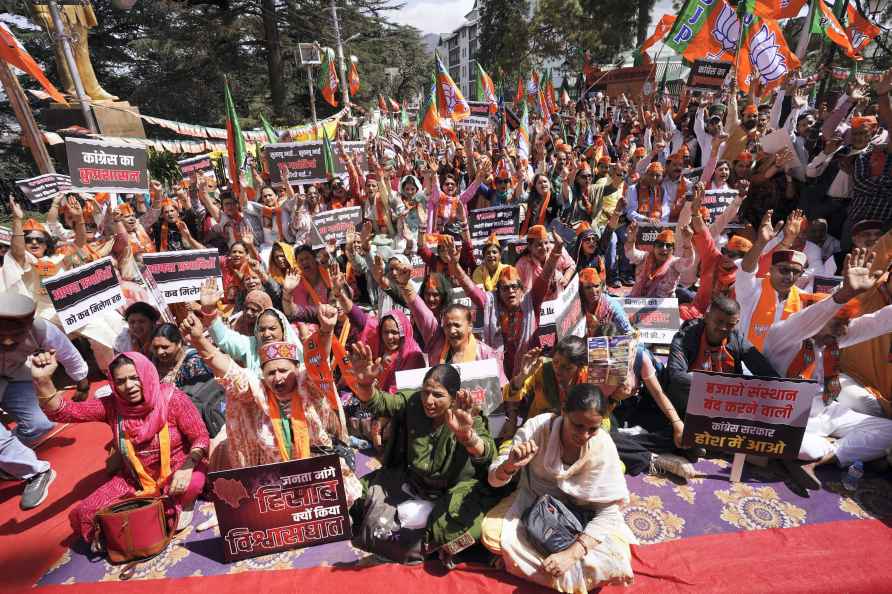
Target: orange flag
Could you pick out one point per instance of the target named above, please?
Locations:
(12, 52)
(765, 54)
(833, 29)
(663, 27)
(779, 9)
(860, 31)
(450, 101)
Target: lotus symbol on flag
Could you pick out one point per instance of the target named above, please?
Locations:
(765, 55)
(857, 38)
(727, 29)
(449, 97)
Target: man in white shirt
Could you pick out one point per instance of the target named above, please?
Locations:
(806, 345)
(20, 336)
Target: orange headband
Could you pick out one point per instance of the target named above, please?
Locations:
(739, 244)
(508, 274)
(655, 167)
(666, 236)
(859, 122)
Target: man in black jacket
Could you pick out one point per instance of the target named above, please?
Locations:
(712, 343)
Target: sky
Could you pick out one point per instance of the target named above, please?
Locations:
(444, 16)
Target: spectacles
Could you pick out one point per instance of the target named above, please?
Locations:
(510, 288)
(663, 244)
(787, 271)
(35, 239)
(733, 255)
(590, 238)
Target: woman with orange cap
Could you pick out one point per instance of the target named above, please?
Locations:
(530, 265)
(657, 271)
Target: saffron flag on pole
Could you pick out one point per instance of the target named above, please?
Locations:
(382, 104)
(824, 22)
(353, 77)
(859, 29)
(328, 77)
(394, 106)
(704, 32)
(519, 94)
(235, 143)
(486, 90)
(779, 9)
(550, 95)
(764, 54)
(663, 26)
(450, 101)
(13, 53)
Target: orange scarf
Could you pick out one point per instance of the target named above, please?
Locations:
(680, 190)
(651, 203)
(540, 218)
(150, 486)
(274, 214)
(319, 369)
(165, 236)
(46, 268)
(763, 316)
(712, 358)
(805, 362)
(297, 422)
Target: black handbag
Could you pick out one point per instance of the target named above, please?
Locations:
(551, 526)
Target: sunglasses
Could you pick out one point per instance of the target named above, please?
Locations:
(590, 238)
(733, 255)
(35, 239)
(663, 244)
(510, 288)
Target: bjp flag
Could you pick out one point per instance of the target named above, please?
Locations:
(779, 9)
(705, 32)
(486, 90)
(764, 53)
(353, 79)
(859, 30)
(328, 77)
(826, 23)
(429, 118)
(450, 101)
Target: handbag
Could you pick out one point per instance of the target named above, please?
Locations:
(380, 531)
(133, 529)
(551, 526)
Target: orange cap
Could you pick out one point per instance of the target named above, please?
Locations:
(34, 225)
(666, 236)
(537, 232)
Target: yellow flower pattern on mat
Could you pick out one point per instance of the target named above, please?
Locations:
(649, 522)
(870, 500)
(156, 568)
(756, 508)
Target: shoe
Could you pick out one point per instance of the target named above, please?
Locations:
(628, 282)
(36, 489)
(615, 284)
(674, 464)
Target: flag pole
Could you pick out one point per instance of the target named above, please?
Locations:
(805, 35)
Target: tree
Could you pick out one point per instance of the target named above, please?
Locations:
(504, 34)
(564, 29)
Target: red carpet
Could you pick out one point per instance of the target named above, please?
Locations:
(41, 534)
(831, 557)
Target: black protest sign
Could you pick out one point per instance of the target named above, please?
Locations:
(99, 166)
(199, 165)
(748, 415)
(504, 221)
(716, 201)
(647, 235)
(305, 161)
(334, 224)
(708, 76)
(180, 274)
(81, 294)
(279, 507)
(43, 187)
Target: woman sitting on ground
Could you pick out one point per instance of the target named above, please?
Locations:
(156, 429)
(286, 414)
(440, 453)
(570, 458)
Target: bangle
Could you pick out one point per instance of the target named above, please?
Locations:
(47, 398)
(581, 543)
